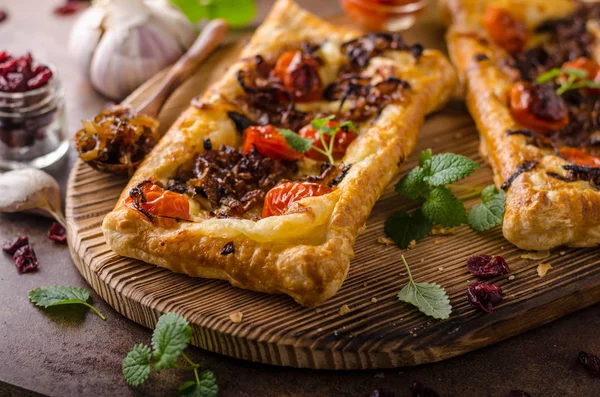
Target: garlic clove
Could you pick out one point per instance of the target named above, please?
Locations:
(173, 21)
(125, 59)
(86, 35)
(31, 190)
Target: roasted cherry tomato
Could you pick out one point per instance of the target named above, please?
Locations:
(587, 65)
(579, 157)
(343, 139)
(538, 107)
(299, 74)
(504, 29)
(160, 202)
(279, 199)
(268, 142)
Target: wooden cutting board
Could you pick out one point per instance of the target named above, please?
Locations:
(378, 331)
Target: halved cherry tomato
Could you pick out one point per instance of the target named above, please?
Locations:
(279, 199)
(300, 75)
(268, 142)
(538, 107)
(504, 29)
(343, 139)
(579, 157)
(160, 202)
(587, 65)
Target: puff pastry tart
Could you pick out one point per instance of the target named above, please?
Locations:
(267, 178)
(531, 73)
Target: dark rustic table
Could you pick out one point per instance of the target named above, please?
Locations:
(64, 353)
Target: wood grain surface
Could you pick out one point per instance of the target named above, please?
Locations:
(378, 331)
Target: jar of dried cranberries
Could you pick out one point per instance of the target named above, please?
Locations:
(378, 15)
(32, 114)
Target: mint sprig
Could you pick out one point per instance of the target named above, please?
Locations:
(57, 295)
(169, 340)
(575, 79)
(237, 13)
(322, 127)
(429, 298)
(430, 183)
(296, 142)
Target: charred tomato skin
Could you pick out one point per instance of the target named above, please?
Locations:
(579, 157)
(299, 75)
(279, 199)
(343, 138)
(267, 141)
(538, 107)
(504, 29)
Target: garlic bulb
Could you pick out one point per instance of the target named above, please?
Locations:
(120, 44)
(31, 190)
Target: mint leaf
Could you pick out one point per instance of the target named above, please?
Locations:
(429, 298)
(320, 124)
(169, 340)
(412, 184)
(424, 156)
(444, 208)
(490, 212)
(548, 76)
(404, 228)
(447, 168)
(56, 295)
(296, 142)
(237, 13)
(136, 365)
(207, 386)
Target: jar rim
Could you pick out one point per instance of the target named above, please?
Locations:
(407, 7)
(52, 84)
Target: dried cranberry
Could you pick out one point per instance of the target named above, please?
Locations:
(518, 393)
(10, 247)
(8, 65)
(382, 393)
(69, 8)
(25, 259)
(3, 15)
(39, 80)
(484, 296)
(592, 362)
(487, 266)
(57, 233)
(418, 390)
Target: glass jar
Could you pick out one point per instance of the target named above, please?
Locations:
(32, 126)
(384, 15)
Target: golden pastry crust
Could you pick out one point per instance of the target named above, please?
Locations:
(541, 212)
(305, 253)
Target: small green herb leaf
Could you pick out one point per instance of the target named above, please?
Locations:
(320, 124)
(444, 208)
(424, 156)
(404, 228)
(296, 142)
(430, 299)
(548, 76)
(236, 12)
(490, 212)
(447, 168)
(576, 73)
(412, 184)
(56, 295)
(136, 365)
(206, 387)
(169, 340)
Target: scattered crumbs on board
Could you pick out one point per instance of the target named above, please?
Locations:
(362, 229)
(543, 268)
(443, 231)
(385, 241)
(344, 309)
(437, 242)
(373, 300)
(511, 277)
(379, 375)
(562, 253)
(412, 244)
(236, 317)
(441, 269)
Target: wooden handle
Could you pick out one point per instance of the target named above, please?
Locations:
(211, 37)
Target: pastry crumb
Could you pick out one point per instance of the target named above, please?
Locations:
(543, 268)
(379, 375)
(437, 242)
(236, 317)
(412, 244)
(502, 247)
(373, 300)
(511, 277)
(444, 231)
(385, 241)
(562, 252)
(319, 329)
(536, 255)
(441, 269)
(362, 229)
(344, 309)
(422, 260)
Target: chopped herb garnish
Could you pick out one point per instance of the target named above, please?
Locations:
(575, 79)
